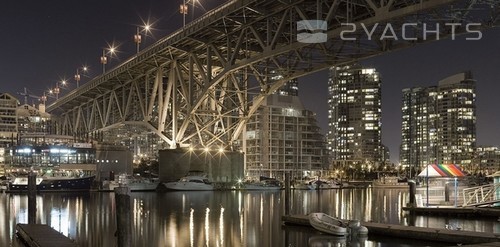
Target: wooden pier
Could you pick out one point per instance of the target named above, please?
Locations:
(413, 232)
(42, 236)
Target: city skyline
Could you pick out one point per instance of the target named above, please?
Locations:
(48, 42)
(421, 66)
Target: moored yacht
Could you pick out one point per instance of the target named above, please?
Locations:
(194, 182)
(262, 185)
(52, 183)
(135, 183)
(60, 163)
(304, 185)
(327, 184)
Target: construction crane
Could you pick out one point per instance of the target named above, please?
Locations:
(26, 95)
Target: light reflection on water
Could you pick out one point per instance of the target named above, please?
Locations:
(229, 218)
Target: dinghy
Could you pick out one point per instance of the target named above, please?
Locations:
(332, 225)
(328, 224)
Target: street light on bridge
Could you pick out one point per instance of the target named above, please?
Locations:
(57, 89)
(63, 83)
(138, 38)
(77, 75)
(184, 10)
(111, 50)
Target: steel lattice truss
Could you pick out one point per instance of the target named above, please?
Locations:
(201, 84)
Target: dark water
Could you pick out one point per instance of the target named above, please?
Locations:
(222, 218)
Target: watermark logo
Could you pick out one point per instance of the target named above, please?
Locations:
(410, 31)
(312, 31)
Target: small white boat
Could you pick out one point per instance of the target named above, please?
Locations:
(190, 183)
(328, 224)
(331, 225)
(135, 183)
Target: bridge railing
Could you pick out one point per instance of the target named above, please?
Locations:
(480, 194)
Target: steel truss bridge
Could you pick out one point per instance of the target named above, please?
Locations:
(199, 85)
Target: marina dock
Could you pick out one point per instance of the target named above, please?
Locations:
(413, 232)
(455, 211)
(42, 236)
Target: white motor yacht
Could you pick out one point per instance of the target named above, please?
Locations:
(190, 183)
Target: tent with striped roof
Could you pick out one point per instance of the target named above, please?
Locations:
(441, 170)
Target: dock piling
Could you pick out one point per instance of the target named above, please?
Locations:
(287, 193)
(32, 198)
(123, 217)
(413, 190)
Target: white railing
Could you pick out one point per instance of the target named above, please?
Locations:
(481, 194)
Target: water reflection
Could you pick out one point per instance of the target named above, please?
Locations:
(213, 218)
(324, 240)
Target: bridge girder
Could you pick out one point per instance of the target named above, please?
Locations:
(202, 83)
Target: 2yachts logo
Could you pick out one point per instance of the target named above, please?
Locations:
(411, 31)
(314, 31)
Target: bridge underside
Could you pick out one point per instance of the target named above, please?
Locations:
(199, 85)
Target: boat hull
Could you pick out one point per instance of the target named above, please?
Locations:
(49, 184)
(261, 187)
(135, 183)
(137, 186)
(187, 186)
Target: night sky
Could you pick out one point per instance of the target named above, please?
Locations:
(43, 42)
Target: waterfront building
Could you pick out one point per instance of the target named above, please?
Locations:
(31, 120)
(439, 123)
(8, 126)
(8, 118)
(29, 138)
(283, 136)
(488, 159)
(386, 156)
(354, 117)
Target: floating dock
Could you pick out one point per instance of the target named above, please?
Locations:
(413, 232)
(42, 236)
(455, 211)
